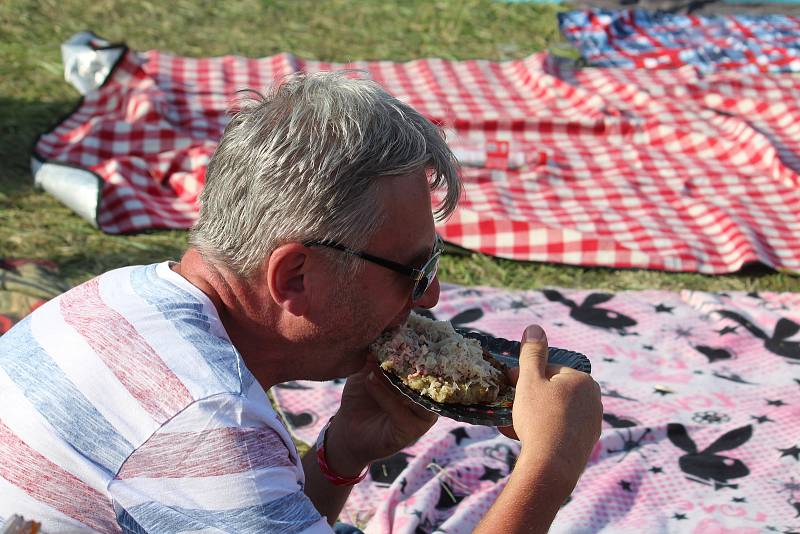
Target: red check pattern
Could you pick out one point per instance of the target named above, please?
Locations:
(671, 170)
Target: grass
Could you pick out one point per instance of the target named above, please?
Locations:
(33, 95)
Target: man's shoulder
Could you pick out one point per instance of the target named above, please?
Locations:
(166, 328)
(126, 351)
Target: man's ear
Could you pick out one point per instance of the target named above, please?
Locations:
(287, 278)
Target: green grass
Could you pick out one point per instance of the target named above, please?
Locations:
(33, 95)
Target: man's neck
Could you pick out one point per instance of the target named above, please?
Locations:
(246, 313)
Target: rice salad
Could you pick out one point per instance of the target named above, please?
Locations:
(433, 359)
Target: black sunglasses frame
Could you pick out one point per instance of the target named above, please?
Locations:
(417, 275)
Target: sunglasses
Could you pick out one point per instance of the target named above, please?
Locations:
(423, 277)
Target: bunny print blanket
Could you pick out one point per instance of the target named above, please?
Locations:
(701, 393)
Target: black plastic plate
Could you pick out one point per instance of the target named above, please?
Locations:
(499, 412)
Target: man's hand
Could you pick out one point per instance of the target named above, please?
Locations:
(557, 416)
(374, 421)
(557, 410)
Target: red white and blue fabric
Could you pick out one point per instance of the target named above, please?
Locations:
(661, 40)
(701, 433)
(672, 170)
(126, 409)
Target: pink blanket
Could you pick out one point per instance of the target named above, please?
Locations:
(702, 417)
(670, 170)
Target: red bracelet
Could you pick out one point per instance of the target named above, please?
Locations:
(334, 478)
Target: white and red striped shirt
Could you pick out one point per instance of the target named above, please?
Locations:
(126, 408)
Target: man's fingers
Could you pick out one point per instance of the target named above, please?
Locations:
(533, 353)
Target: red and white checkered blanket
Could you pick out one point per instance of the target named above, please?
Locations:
(670, 170)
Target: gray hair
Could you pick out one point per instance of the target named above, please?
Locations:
(303, 163)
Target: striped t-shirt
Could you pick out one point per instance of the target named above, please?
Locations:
(125, 407)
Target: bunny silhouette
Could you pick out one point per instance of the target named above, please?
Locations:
(588, 314)
(706, 466)
(459, 320)
(777, 343)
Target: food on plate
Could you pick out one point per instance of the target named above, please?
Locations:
(431, 358)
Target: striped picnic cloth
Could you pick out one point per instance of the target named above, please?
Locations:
(672, 170)
(661, 40)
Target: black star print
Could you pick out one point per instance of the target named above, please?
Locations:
(775, 402)
(663, 391)
(772, 529)
(663, 308)
(682, 332)
(699, 372)
(727, 330)
(558, 324)
(656, 469)
(648, 347)
(609, 360)
(739, 499)
(762, 419)
(625, 485)
(791, 451)
(447, 498)
(754, 295)
(797, 380)
(491, 474)
(679, 517)
(460, 433)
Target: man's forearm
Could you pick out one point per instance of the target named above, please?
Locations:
(327, 498)
(528, 503)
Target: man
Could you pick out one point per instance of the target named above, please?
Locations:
(136, 401)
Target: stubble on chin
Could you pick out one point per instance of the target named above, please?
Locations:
(354, 328)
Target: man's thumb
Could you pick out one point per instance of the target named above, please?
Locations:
(533, 353)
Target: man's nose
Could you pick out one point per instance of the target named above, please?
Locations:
(431, 295)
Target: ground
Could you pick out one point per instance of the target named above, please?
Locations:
(33, 95)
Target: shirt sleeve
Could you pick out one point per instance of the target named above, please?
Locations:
(220, 465)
